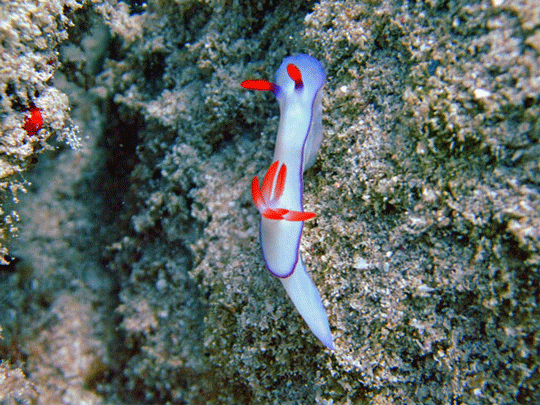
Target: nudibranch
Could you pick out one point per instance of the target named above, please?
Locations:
(33, 122)
(298, 88)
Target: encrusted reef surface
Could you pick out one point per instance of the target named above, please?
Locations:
(426, 244)
(30, 35)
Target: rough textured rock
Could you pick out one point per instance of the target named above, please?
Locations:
(426, 244)
(31, 34)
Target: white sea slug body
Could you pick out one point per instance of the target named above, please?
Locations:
(298, 88)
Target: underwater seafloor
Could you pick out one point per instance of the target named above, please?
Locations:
(132, 271)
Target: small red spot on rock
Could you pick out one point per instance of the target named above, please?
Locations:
(34, 122)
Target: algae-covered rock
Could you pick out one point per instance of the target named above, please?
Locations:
(425, 248)
(31, 33)
(15, 388)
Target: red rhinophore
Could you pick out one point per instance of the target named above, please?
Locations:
(295, 75)
(269, 195)
(261, 85)
(34, 122)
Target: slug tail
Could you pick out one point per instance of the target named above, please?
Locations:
(307, 301)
